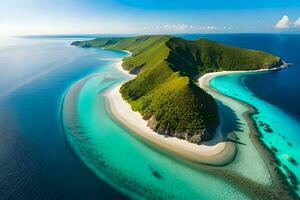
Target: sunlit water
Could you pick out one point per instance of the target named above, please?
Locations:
(35, 159)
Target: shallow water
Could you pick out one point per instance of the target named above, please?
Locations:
(276, 95)
(280, 89)
(285, 128)
(123, 161)
(233, 121)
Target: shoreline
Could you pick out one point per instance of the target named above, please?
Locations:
(278, 180)
(276, 190)
(248, 186)
(278, 186)
(119, 61)
(278, 183)
(214, 152)
(217, 151)
(220, 153)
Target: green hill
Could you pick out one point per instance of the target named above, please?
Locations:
(164, 91)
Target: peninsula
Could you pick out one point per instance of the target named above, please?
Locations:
(165, 90)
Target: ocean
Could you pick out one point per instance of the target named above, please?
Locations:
(275, 95)
(35, 159)
(40, 159)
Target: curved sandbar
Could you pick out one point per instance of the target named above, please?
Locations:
(213, 152)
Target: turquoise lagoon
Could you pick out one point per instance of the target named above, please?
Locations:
(125, 162)
(116, 156)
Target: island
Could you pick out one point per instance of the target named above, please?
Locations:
(165, 92)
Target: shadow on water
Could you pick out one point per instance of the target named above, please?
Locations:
(230, 123)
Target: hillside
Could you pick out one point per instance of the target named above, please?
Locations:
(164, 91)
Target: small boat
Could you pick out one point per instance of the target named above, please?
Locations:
(268, 129)
(154, 172)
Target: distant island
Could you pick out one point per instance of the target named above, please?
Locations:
(165, 90)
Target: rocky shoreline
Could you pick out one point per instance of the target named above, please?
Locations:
(193, 136)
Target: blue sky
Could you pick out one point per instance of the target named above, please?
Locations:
(25, 17)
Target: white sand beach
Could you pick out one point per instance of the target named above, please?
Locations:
(214, 152)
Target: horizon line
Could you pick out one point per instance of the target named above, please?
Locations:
(139, 34)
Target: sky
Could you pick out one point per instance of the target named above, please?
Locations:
(36, 17)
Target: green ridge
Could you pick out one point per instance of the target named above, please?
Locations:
(164, 91)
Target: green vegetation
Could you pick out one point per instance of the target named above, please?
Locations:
(203, 55)
(164, 91)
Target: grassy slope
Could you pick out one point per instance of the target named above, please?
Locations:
(164, 91)
(203, 55)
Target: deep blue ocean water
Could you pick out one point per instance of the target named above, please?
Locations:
(35, 159)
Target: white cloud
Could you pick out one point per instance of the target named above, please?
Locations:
(181, 28)
(177, 27)
(283, 23)
(187, 28)
(211, 28)
(297, 22)
(286, 23)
